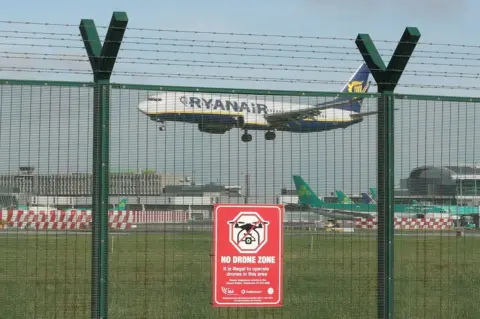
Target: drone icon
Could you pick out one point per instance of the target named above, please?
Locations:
(248, 232)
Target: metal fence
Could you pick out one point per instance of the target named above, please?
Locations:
(152, 257)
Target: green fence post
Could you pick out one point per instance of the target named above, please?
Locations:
(102, 60)
(387, 79)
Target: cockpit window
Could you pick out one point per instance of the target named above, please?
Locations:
(158, 99)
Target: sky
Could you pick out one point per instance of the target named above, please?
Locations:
(51, 135)
(439, 21)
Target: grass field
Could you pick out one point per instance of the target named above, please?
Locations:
(169, 276)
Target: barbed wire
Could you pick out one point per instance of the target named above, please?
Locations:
(229, 64)
(258, 55)
(259, 58)
(215, 33)
(132, 59)
(76, 36)
(223, 78)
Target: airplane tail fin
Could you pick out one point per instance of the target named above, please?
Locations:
(305, 194)
(342, 198)
(367, 199)
(373, 191)
(357, 83)
(122, 205)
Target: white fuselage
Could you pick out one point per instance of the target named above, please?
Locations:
(214, 108)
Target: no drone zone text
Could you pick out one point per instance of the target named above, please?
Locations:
(248, 259)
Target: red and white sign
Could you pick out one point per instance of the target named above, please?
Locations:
(247, 255)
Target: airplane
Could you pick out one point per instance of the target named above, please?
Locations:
(307, 199)
(122, 205)
(367, 199)
(342, 198)
(217, 114)
(349, 211)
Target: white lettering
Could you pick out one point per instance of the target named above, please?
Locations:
(225, 259)
(266, 260)
(225, 104)
(244, 259)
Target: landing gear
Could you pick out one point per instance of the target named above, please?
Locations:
(246, 137)
(269, 136)
(161, 125)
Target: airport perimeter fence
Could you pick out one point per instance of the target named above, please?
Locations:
(86, 255)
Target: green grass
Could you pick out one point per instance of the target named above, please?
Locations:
(169, 276)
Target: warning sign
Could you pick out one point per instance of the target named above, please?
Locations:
(248, 251)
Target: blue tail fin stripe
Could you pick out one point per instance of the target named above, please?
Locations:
(367, 199)
(359, 80)
(357, 83)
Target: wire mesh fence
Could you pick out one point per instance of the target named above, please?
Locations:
(165, 177)
(435, 165)
(168, 255)
(107, 190)
(163, 184)
(45, 244)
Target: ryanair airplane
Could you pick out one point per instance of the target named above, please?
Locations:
(219, 113)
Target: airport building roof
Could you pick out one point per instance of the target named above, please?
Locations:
(444, 180)
(144, 183)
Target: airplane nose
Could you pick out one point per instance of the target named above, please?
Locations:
(143, 107)
(153, 103)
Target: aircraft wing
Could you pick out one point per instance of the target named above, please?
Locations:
(360, 115)
(281, 119)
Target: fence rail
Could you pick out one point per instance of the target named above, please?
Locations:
(378, 254)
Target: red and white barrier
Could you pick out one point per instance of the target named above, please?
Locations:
(82, 219)
(408, 223)
(46, 220)
(61, 220)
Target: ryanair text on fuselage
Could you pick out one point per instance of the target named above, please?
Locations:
(225, 105)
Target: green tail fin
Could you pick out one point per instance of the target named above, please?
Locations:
(122, 205)
(306, 195)
(342, 198)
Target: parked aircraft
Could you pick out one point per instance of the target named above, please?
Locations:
(307, 199)
(343, 198)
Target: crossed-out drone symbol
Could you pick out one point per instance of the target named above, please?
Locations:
(248, 232)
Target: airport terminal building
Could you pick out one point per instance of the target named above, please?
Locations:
(459, 182)
(146, 190)
(143, 190)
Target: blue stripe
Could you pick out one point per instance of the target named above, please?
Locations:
(196, 118)
(299, 126)
(314, 126)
